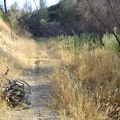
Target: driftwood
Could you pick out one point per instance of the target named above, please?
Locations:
(16, 92)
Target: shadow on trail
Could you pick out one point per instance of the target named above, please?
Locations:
(42, 91)
(42, 70)
(42, 101)
(42, 94)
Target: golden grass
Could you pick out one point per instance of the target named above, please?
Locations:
(4, 28)
(21, 50)
(88, 87)
(15, 52)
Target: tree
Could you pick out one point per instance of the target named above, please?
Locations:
(54, 12)
(105, 16)
(64, 11)
(27, 7)
(1, 11)
(5, 7)
(35, 4)
(114, 12)
(13, 15)
(42, 4)
(15, 9)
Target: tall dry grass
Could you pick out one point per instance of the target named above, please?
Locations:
(88, 87)
(15, 52)
(21, 50)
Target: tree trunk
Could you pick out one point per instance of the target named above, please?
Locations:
(5, 7)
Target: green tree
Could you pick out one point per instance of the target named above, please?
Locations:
(106, 13)
(15, 9)
(69, 12)
(13, 15)
(65, 11)
(1, 11)
(42, 4)
(27, 7)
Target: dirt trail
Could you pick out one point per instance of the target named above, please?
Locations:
(38, 78)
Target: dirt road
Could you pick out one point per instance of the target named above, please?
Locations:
(41, 97)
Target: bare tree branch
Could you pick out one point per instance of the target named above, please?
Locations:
(114, 14)
(104, 25)
(35, 5)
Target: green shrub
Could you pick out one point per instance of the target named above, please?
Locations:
(74, 43)
(1, 14)
(111, 42)
(13, 22)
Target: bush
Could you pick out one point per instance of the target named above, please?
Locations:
(1, 14)
(88, 86)
(111, 42)
(14, 25)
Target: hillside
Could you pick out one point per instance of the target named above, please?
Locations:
(13, 47)
(21, 55)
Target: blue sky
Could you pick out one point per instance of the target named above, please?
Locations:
(21, 2)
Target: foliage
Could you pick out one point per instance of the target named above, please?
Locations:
(75, 42)
(31, 21)
(110, 42)
(27, 7)
(1, 11)
(12, 17)
(42, 4)
(12, 20)
(69, 12)
(69, 17)
(43, 13)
